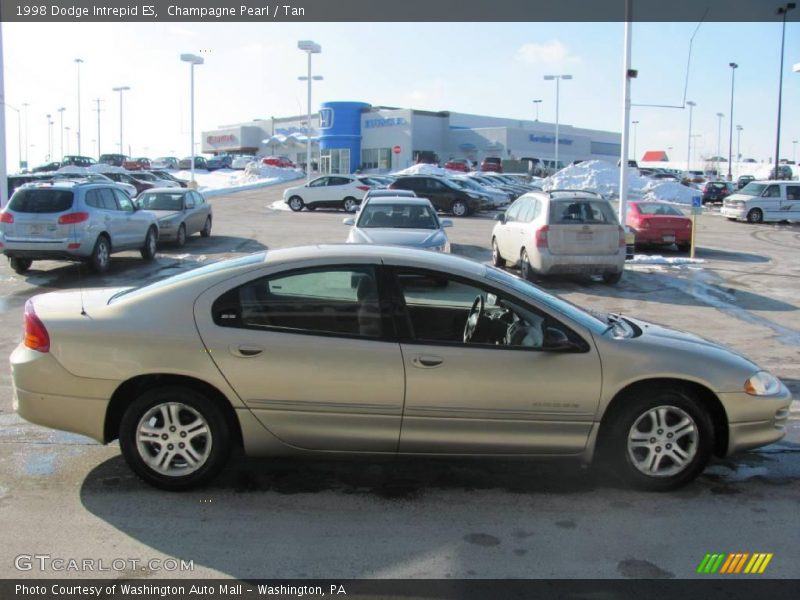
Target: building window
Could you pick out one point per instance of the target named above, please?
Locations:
(606, 148)
(376, 158)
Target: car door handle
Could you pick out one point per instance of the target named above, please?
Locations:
(246, 351)
(427, 361)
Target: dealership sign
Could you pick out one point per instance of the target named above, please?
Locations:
(217, 140)
(384, 122)
(325, 118)
(547, 139)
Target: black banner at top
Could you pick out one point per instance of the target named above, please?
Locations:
(308, 11)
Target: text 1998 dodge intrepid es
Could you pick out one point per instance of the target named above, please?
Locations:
(378, 350)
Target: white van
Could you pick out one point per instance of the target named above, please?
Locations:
(764, 201)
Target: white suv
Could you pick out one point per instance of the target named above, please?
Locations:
(761, 201)
(560, 232)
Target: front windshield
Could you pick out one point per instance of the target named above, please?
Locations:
(753, 189)
(161, 201)
(398, 215)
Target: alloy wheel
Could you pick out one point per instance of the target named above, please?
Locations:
(173, 439)
(663, 441)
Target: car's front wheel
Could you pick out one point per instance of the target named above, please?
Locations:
(755, 215)
(20, 266)
(296, 203)
(180, 237)
(350, 205)
(174, 438)
(497, 259)
(150, 242)
(661, 438)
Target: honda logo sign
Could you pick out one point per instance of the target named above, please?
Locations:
(325, 118)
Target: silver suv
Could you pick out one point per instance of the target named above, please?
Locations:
(69, 220)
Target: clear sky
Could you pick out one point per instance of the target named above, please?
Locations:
(484, 68)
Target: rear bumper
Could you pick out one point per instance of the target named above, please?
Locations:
(546, 263)
(650, 236)
(47, 250)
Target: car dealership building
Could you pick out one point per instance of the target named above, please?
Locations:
(347, 136)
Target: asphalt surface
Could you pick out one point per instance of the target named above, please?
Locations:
(65, 496)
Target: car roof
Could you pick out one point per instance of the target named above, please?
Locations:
(410, 200)
(167, 190)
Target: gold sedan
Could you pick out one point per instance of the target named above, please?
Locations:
(380, 350)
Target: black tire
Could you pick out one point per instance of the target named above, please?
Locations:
(148, 251)
(206, 231)
(684, 247)
(459, 208)
(311, 207)
(497, 260)
(350, 204)
(755, 216)
(218, 437)
(180, 237)
(637, 403)
(101, 255)
(525, 266)
(296, 203)
(20, 266)
(612, 278)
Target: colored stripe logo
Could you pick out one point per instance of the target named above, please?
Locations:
(734, 563)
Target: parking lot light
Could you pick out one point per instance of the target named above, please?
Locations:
(309, 47)
(691, 106)
(79, 62)
(782, 10)
(733, 67)
(557, 79)
(120, 89)
(193, 60)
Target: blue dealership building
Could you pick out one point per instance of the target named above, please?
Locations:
(347, 136)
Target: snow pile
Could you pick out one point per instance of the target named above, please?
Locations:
(225, 181)
(669, 191)
(595, 176)
(101, 168)
(425, 169)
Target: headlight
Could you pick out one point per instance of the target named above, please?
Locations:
(475, 196)
(763, 384)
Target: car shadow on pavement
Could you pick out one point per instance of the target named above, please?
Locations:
(727, 256)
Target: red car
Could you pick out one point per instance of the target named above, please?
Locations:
(658, 223)
(136, 164)
(278, 161)
(492, 163)
(458, 164)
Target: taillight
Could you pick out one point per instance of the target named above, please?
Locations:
(36, 336)
(363, 188)
(621, 237)
(540, 236)
(392, 186)
(71, 218)
(6, 217)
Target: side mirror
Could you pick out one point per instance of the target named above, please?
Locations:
(349, 221)
(500, 217)
(446, 223)
(556, 340)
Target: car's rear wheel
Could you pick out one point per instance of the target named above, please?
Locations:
(180, 237)
(612, 278)
(755, 215)
(296, 203)
(350, 204)
(661, 438)
(206, 231)
(526, 270)
(20, 266)
(101, 255)
(684, 247)
(459, 208)
(150, 242)
(174, 438)
(497, 260)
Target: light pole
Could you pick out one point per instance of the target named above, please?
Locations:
(98, 109)
(719, 141)
(19, 132)
(794, 151)
(558, 79)
(738, 146)
(691, 106)
(61, 126)
(79, 62)
(49, 137)
(120, 89)
(634, 123)
(193, 60)
(25, 106)
(733, 67)
(66, 128)
(309, 48)
(782, 10)
(536, 103)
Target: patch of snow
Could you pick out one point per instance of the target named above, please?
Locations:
(426, 169)
(226, 181)
(279, 205)
(657, 259)
(669, 191)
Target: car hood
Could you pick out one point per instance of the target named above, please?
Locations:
(398, 237)
(739, 196)
(162, 214)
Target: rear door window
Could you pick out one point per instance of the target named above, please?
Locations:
(41, 201)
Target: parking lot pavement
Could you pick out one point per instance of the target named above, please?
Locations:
(63, 495)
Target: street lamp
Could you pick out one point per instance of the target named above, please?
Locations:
(193, 60)
(49, 137)
(66, 128)
(61, 126)
(634, 123)
(691, 106)
(719, 141)
(733, 67)
(782, 10)
(79, 62)
(558, 79)
(120, 89)
(309, 48)
(19, 132)
(738, 146)
(794, 151)
(536, 103)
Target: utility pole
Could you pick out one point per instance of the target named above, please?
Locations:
(97, 110)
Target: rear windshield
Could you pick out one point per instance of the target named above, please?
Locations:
(40, 201)
(161, 201)
(583, 212)
(659, 209)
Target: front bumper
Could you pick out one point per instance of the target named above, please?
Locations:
(45, 393)
(755, 421)
(733, 213)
